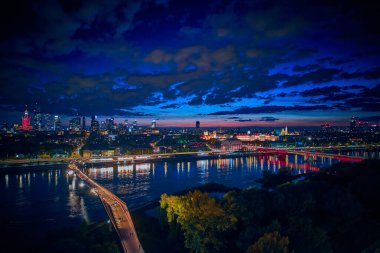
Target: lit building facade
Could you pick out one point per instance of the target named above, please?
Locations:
(25, 122)
(75, 124)
(37, 118)
(57, 123)
(231, 145)
(95, 126)
(257, 137)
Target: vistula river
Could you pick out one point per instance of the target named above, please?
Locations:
(33, 202)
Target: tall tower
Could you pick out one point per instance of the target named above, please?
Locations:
(353, 124)
(154, 124)
(74, 124)
(83, 123)
(25, 121)
(48, 122)
(57, 123)
(197, 125)
(37, 118)
(95, 127)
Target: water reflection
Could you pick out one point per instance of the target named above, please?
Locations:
(140, 183)
(55, 191)
(76, 203)
(6, 177)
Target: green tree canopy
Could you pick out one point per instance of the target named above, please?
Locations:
(201, 218)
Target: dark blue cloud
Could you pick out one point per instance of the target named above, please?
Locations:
(270, 119)
(243, 120)
(126, 57)
(170, 106)
(321, 91)
(271, 109)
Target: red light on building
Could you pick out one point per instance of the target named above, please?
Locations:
(25, 122)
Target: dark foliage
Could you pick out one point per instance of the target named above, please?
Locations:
(95, 238)
(335, 210)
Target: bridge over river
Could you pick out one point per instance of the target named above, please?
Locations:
(310, 154)
(117, 211)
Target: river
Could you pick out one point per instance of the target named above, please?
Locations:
(37, 201)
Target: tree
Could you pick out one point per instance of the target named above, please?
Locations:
(306, 237)
(201, 219)
(271, 242)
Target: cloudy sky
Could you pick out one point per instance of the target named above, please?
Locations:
(224, 63)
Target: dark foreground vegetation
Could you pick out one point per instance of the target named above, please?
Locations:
(335, 210)
(86, 238)
(94, 238)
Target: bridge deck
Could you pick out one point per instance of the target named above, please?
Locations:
(118, 213)
(313, 154)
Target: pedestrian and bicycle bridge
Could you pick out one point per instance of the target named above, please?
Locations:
(117, 211)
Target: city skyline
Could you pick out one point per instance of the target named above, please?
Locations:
(40, 121)
(185, 123)
(225, 64)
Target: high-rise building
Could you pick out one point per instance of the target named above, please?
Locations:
(197, 125)
(47, 122)
(57, 123)
(110, 123)
(37, 118)
(103, 125)
(135, 124)
(353, 124)
(95, 127)
(25, 121)
(74, 124)
(154, 124)
(83, 123)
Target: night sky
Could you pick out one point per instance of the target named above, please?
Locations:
(225, 63)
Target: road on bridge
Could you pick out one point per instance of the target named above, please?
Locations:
(117, 211)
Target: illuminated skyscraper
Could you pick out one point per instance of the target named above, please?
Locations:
(353, 124)
(25, 121)
(95, 127)
(197, 125)
(74, 124)
(37, 118)
(48, 122)
(154, 124)
(110, 123)
(57, 123)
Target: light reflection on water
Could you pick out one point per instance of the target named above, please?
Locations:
(52, 198)
(138, 184)
(36, 202)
